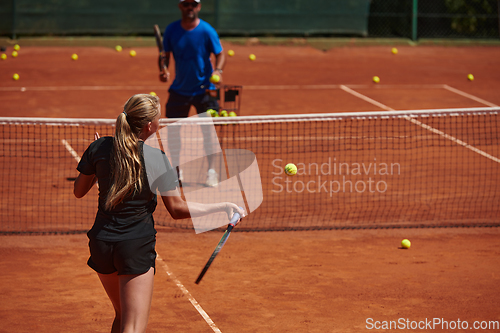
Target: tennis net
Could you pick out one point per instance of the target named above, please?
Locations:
(355, 170)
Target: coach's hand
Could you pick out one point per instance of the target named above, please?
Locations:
(217, 72)
(164, 76)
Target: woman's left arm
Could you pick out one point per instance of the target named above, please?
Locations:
(83, 184)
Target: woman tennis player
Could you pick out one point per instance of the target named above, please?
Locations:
(122, 239)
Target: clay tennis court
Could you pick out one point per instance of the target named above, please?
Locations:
(293, 281)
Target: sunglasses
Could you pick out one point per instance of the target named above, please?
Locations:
(189, 4)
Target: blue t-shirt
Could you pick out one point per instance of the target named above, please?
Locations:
(191, 50)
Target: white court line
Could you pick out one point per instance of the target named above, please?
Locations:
(71, 150)
(249, 87)
(396, 86)
(366, 98)
(427, 127)
(186, 292)
(453, 139)
(148, 88)
(293, 87)
(81, 88)
(477, 99)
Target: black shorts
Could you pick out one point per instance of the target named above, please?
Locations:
(178, 105)
(130, 257)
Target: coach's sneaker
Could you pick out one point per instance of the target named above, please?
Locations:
(212, 179)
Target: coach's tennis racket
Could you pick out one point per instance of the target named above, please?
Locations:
(159, 43)
(219, 246)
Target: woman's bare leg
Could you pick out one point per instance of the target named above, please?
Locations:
(111, 284)
(136, 293)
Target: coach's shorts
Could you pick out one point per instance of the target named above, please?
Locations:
(128, 257)
(178, 105)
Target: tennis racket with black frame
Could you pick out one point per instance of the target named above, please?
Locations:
(219, 246)
(163, 57)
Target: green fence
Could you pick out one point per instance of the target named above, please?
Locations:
(229, 17)
(83, 17)
(375, 18)
(435, 18)
(297, 17)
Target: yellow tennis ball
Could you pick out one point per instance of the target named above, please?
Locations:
(224, 113)
(290, 169)
(74, 56)
(17, 47)
(14, 54)
(215, 78)
(212, 112)
(15, 76)
(3, 56)
(376, 79)
(470, 77)
(133, 53)
(152, 93)
(252, 57)
(230, 53)
(118, 48)
(394, 50)
(232, 114)
(405, 244)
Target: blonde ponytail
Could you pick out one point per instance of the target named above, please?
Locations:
(126, 166)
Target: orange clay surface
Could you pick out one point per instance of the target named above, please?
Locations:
(281, 80)
(308, 281)
(328, 281)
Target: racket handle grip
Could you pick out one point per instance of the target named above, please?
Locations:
(234, 219)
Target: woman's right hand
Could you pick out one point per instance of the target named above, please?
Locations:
(232, 208)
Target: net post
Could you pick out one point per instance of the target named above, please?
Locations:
(414, 19)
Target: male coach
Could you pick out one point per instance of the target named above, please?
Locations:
(191, 41)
